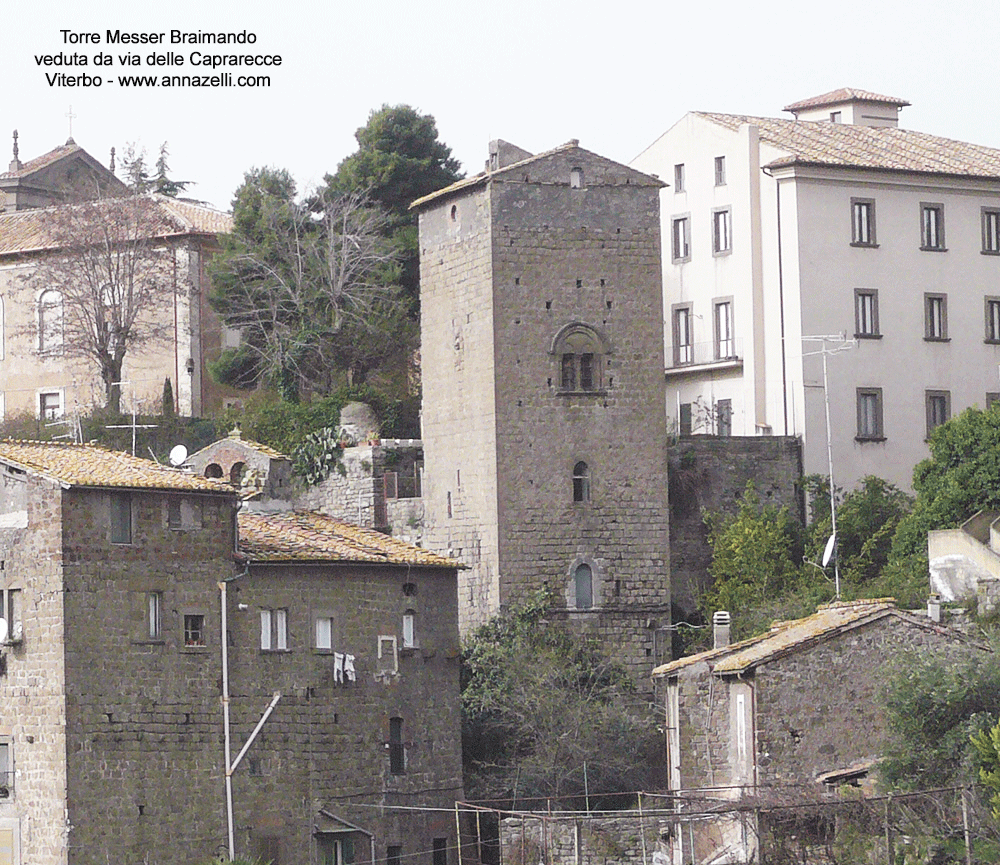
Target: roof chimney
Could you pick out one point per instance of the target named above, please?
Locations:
(720, 629)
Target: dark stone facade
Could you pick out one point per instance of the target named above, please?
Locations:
(115, 735)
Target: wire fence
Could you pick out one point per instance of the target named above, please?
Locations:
(777, 826)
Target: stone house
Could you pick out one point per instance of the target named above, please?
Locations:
(542, 421)
(833, 220)
(38, 373)
(787, 713)
(111, 727)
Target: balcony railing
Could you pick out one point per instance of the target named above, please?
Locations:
(723, 351)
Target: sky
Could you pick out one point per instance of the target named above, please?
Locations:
(614, 75)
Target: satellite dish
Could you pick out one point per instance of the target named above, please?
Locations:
(830, 546)
(178, 453)
(3, 630)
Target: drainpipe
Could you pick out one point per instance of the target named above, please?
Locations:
(781, 300)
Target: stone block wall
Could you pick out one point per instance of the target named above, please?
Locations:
(144, 761)
(820, 709)
(529, 257)
(709, 473)
(32, 672)
(360, 495)
(458, 417)
(117, 735)
(629, 839)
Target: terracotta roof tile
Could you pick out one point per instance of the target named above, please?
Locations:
(38, 162)
(844, 94)
(31, 230)
(303, 536)
(847, 145)
(92, 466)
(784, 636)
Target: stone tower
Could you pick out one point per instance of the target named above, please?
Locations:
(543, 392)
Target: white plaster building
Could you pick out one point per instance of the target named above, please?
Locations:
(834, 222)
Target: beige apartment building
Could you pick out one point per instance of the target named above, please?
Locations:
(837, 223)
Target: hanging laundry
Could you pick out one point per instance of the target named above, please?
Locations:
(349, 668)
(338, 666)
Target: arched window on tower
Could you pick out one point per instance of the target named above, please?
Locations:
(580, 351)
(50, 321)
(583, 582)
(581, 482)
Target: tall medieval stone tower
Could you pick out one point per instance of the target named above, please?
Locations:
(543, 392)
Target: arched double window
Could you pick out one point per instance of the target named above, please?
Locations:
(50, 321)
(580, 351)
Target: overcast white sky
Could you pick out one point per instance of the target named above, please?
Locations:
(615, 75)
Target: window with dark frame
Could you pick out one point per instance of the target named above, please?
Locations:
(440, 855)
(991, 231)
(194, 630)
(6, 768)
(679, 177)
(866, 313)
(936, 317)
(993, 319)
(50, 405)
(938, 404)
(932, 227)
(397, 751)
(154, 615)
(722, 240)
(863, 222)
(684, 419)
(725, 342)
(724, 417)
(680, 238)
(11, 602)
(121, 518)
(683, 338)
(580, 361)
(870, 426)
(581, 482)
(720, 170)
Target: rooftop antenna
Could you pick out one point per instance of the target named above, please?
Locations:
(133, 426)
(839, 342)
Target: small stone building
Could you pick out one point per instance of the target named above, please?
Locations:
(965, 562)
(786, 712)
(543, 392)
(112, 748)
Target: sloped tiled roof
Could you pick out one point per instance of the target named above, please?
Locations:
(786, 637)
(847, 145)
(844, 94)
(33, 165)
(87, 465)
(513, 168)
(304, 536)
(37, 230)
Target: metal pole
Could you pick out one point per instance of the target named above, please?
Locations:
(225, 718)
(586, 787)
(833, 496)
(965, 828)
(642, 831)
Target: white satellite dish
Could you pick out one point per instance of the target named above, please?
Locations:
(3, 630)
(828, 552)
(178, 453)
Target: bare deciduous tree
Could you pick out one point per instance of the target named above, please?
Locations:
(106, 289)
(309, 287)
